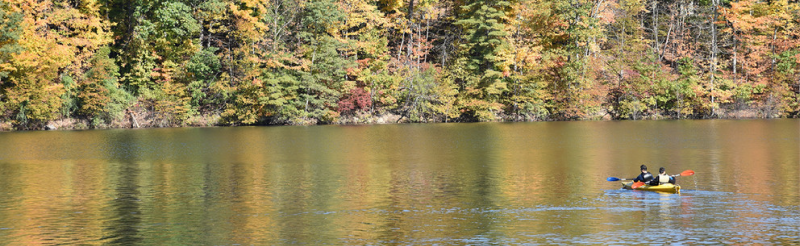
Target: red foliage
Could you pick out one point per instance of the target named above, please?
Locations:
(357, 99)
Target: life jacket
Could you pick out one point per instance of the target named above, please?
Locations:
(663, 178)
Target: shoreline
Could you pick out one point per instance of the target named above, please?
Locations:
(215, 120)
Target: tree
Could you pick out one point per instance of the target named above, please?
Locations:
(57, 40)
(10, 31)
(322, 79)
(203, 71)
(485, 56)
(100, 97)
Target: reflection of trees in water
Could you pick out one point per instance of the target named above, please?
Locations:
(124, 225)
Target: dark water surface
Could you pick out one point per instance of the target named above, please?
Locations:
(487, 183)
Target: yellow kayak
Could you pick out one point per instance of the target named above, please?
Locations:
(671, 188)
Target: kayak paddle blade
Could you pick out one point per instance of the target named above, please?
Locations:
(637, 185)
(687, 173)
(612, 179)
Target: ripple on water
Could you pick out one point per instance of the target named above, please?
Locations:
(465, 184)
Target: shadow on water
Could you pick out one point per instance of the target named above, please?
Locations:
(124, 226)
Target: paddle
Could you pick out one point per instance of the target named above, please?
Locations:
(684, 173)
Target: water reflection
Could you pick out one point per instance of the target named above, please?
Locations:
(123, 228)
(539, 183)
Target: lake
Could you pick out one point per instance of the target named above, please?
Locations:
(466, 183)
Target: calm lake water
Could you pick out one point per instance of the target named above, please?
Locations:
(483, 183)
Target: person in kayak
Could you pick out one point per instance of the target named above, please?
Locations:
(662, 178)
(645, 176)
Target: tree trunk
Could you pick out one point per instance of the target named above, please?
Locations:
(714, 51)
(133, 117)
(734, 56)
(410, 9)
(655, 25)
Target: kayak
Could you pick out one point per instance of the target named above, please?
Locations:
(671, 188)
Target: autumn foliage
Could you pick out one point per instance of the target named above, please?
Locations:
(159, 63)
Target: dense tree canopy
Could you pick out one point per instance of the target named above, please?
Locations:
(115, 63)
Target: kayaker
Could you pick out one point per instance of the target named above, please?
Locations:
(662, 178)
(645, 176)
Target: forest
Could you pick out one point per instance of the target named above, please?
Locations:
(82, 64)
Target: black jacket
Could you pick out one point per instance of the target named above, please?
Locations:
(644, 177)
